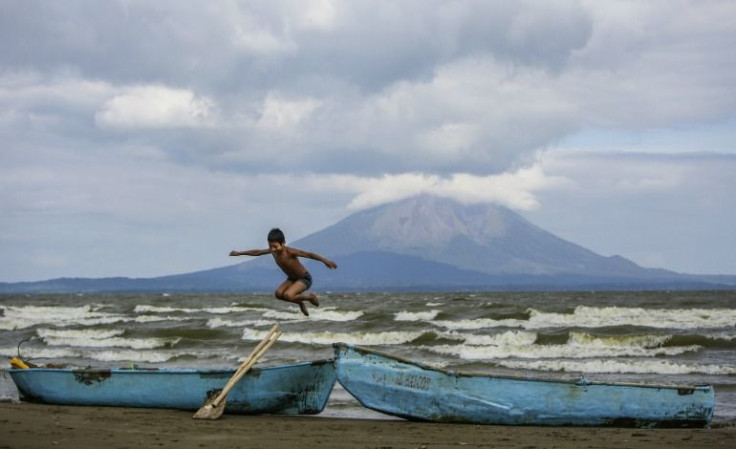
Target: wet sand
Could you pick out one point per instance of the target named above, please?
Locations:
(28, 425)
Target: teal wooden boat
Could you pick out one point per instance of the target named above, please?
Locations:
(415, 391)
(288, 389)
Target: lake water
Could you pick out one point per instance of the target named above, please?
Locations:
(672, 337)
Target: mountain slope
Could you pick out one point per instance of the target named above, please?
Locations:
(485, 238)
(422, 243)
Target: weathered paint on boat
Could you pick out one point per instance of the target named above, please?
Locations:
(289, 389)
(415, 391)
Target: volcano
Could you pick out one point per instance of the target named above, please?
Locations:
(423, 243)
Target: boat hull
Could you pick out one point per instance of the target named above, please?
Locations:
(289, 389)
(414, 391)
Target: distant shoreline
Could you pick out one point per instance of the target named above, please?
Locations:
(84, 286)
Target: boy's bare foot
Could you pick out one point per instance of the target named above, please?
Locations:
(303, 309)
(313, 299)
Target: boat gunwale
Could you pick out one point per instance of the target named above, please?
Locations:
(582, 379)
(165, 370)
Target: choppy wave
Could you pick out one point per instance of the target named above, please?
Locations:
(214, 323)
(491, 353)
(504, 339)
(155, 318)
(584, 340)
(522, 344)
(97, 338)
(269, 316)
(145, 308)
(29, 353)
(114, 355)
(638, 366)
(23, 317)
(598, 317)
(133, 343)
(327, 338)
(594, 317)
(481, 323)
(724, 336)
(319, 314)
(131, 356)
(476, 339)
(677, 336)
(96, 334)
(416, 316)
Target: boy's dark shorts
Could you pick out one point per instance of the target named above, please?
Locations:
(306, 279)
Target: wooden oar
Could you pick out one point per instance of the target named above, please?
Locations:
(213, 409)
(254, 353)
(244, 367)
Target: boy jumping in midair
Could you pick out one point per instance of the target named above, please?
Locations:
(298, 278)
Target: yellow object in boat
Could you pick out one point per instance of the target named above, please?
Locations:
(15, 362)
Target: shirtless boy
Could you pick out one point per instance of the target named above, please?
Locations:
(298, 278)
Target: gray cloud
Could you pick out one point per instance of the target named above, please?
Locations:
(661, 210)
(129, 121)
(444, 87)
(371, 45)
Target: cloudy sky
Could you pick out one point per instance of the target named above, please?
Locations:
(148, 138)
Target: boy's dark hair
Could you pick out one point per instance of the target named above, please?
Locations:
(275, 235)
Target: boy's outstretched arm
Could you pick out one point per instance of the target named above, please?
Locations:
(314, 256)
(250, 252)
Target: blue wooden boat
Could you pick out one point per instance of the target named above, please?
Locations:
(415, 391)
(288, 389)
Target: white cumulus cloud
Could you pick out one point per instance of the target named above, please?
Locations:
(279, 114)
(515, 189)
(154, 106)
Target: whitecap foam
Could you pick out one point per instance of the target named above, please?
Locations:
(114, 342)
(22, 317)
(521, 344)
(724, 336)
(480, 323)
(157, 318)
(416, 316)
(486, 353)
(331, 314)
(96, 321)
(95, 334)
(146, 308)
(620, 367)
(315, 314)
(284, 315)
(593, 317)
(233, 309)
(596, 317)
(214, 323)
(328, 338)
(584, 340)
(29, 353)
(101, 338)
(131, 356)
(508, 338)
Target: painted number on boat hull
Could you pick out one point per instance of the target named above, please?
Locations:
(412, 381)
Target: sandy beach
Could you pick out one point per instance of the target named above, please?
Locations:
(28, 425)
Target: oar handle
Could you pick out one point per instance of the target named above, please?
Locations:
(255, 351)
(262, 348)
(249, 361)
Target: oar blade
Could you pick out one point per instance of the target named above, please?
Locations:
(209, 410)
(214, 406)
